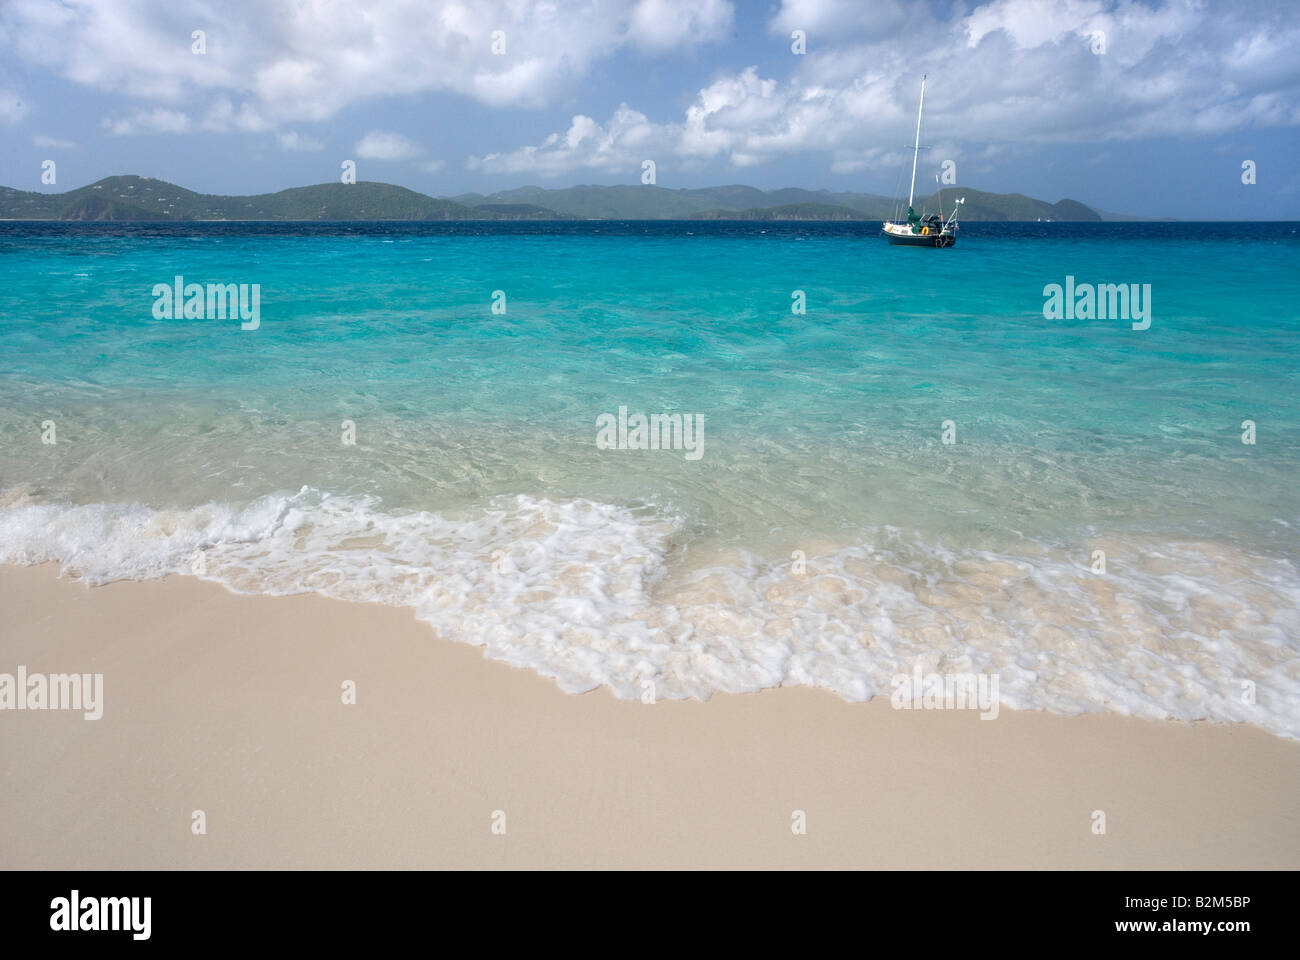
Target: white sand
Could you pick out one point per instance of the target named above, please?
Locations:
(232, 705)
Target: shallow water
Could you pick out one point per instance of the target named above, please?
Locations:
(826, 535)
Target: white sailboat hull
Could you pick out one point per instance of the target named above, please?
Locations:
(901, 234)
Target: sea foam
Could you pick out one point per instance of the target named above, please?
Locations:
(591, 594)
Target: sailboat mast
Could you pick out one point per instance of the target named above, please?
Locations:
(917, 143)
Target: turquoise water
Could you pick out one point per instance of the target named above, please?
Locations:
(826, 534)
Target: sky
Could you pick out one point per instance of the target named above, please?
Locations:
(1148, 107)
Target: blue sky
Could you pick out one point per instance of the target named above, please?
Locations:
(1141, 107)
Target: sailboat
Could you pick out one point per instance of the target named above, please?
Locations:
(918, 231)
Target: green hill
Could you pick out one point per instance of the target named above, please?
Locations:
(21, 205)
(735, 202)
(143, 198)
(980, 205)
(363, 200)
(788, 211)
(1074, 210)
(620, 202)
(649, 202)
(520, 211)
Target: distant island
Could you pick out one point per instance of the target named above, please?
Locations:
(147, 199)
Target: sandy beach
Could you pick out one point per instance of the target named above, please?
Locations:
(233, 705)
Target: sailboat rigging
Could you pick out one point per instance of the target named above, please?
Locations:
(918, 231)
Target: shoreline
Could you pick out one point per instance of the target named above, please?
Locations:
(232, 705)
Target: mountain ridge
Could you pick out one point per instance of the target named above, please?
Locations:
(130, 197)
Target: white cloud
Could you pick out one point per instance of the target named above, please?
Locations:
(308, 60)
(222, 117)
(158, 120)
(871, 158)
(378, 145)
(41, 140)
(664, 24)
(1000, 71)
(1032, 23)
(827, 22)
(622, 144)
(1012, 71)
(293, 140)
(744, 119)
